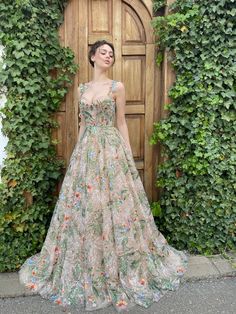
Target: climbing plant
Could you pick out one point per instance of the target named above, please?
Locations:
(158, 4)
(35, 75)
(197, 210)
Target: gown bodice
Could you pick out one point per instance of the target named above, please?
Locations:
(101, 111)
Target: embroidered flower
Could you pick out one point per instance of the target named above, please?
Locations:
(90, 298)
(31, 285)
(64, 226)
(77, 195)
(57, 249)
(58, 301)
(121, 303)
(97, 178)
(180, 270)
(67, 217)
(31, 261)
(142, 281)
(89, 188)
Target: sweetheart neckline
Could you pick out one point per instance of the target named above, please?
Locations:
(109, 96)
(94, 103)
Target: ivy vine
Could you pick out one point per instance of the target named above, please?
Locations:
(158, 4)
(197, 210)
(35, 76)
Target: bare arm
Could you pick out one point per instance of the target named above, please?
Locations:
(120, 113)
(82, 122)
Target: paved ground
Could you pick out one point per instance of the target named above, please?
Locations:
(212, 296)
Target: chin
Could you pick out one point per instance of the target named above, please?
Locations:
(106, 66)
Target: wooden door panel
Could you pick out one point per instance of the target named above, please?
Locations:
(133, 50)
(132, 29)
(135, 125)
(135, 109)
(133, 74)
(99, 16)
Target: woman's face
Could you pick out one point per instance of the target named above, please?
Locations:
(104, 56)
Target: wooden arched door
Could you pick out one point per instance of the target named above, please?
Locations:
(127, 25)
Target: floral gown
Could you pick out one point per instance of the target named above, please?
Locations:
(102, 245)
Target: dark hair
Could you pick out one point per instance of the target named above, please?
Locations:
(95, 46)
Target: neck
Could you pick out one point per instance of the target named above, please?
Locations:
(99, 76)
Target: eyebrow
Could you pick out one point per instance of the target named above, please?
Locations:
(103, 49)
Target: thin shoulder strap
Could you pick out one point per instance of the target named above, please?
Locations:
(81, 88)
(113, 86)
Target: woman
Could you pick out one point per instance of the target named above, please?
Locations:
(102, 245)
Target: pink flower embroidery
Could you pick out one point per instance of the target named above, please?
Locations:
(66, 217)
(64, 226)
(90, 298)
(89, 188)
(58, 301)
(142, 281)
(31, 285)
(121, 303)
(56, 249)
(77, 195)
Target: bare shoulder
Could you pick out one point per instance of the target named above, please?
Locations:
(120, 85)
(119, 88)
